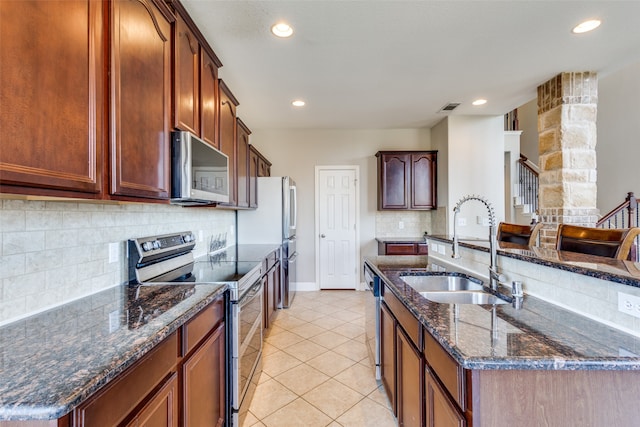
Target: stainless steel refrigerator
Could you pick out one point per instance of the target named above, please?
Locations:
(274, 221)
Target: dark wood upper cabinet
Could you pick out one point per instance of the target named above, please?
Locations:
(52, 93)
(195, 66)
(228, 104)
(254, 162)
(187, 78)
(243, 133)
(407, 180)
(209, 98)
(141, 98)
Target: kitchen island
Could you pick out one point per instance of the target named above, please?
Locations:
(497, 365)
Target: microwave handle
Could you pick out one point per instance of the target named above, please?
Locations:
(294, 197)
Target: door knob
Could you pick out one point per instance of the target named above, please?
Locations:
(323, 236)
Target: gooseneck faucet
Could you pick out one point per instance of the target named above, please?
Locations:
(494, 276)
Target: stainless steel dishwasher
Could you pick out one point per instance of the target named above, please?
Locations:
(372, 317)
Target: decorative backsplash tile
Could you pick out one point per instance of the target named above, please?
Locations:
(54, 252)
(402, 223)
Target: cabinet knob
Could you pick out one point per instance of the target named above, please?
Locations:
(323, 236)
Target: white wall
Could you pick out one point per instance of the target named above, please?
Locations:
(528, 122)
(297, 152)
(618, 147)
(475, 166)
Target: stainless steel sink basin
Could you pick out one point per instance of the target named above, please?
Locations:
(463, 297)
(441, 282)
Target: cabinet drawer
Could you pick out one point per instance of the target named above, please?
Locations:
(111, 406)
(449, 372)
(404, 317)
(400, 248)
(423, 249)
(200, 326)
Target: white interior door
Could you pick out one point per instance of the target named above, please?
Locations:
(337, 227)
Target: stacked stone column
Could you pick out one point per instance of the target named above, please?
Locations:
(567, 110)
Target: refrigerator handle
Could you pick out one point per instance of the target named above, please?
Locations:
(294, 196)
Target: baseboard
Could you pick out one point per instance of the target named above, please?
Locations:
(306, 286)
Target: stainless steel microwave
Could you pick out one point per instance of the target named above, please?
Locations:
(199, 171)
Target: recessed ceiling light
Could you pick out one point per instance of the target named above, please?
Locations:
(298, 103)
(282, 29)
(586, 26)
(479, 102)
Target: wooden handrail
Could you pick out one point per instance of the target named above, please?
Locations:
(524, 161)
(630, 203)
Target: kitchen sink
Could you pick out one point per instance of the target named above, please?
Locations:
(463, 297)
(440, 282)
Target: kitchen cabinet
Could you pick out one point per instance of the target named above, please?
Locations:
(402, 248)
(162, 409)
(407, 180)
(264, 165)
(227, 138)
(254, 164)
(271, 281)
(52, 92)
(440, 410)
(204, 382)
(140, 99)
(244, 177)
(401, 360)
(195, 96)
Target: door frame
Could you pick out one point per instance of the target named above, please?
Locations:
(356, 169)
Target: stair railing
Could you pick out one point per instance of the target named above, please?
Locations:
(528, 183)
(625, 215)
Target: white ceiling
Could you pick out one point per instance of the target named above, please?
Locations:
(393, 64)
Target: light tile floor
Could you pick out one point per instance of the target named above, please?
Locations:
(316, 370)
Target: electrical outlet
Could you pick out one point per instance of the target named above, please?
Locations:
(400, 225)
(629, 304)
(478, 220)
(462, 222)
(441, 249)
(114, 252)
(114, 321)
(434, 247)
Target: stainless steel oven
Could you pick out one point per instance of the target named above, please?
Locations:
(246, 348)
(159, 260)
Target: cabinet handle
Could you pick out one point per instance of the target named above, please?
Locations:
(323, 236)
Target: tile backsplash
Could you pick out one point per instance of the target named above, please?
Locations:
(54, 252)
(402, 223)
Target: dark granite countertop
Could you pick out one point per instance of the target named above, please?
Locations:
(539, 336)
(613, 270)
(51, 362)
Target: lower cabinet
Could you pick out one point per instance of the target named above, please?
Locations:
(388, 354)
(164, 389)
(162, 409)
(440, 410)
(204, 381)
(409, 370)
(271, 282)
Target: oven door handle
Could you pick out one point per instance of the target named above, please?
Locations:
(255, 289)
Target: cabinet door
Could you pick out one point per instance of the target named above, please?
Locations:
(243, 165)
(52, 95)
(228, 137)
(409, 387)
(441, 411)
(209, 99)
(254, 160)
(423, 180)
(186, 79)
(388, 354)
(393, 185)
(204, 383)
(141, 99)
(162, 409)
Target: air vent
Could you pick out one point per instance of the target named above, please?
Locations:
(449, 107)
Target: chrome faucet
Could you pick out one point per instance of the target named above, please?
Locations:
(494, 276)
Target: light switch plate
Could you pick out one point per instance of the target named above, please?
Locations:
(441, 249)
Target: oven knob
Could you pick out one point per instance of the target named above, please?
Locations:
(156, 244)
(147, 246)
(188, 238)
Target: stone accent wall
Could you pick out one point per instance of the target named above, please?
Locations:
(567, 111)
